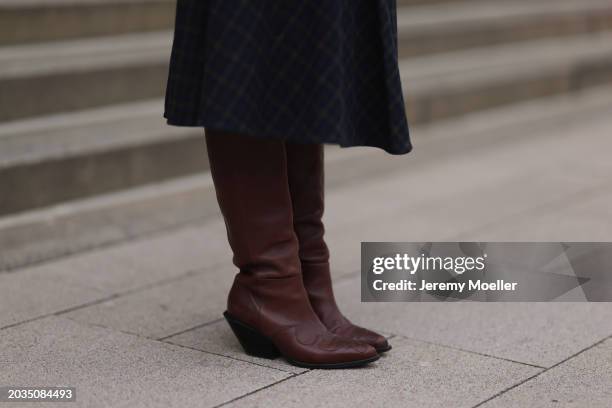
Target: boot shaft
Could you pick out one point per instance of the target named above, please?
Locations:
(305, 164)
(250, 177)
(268, 306)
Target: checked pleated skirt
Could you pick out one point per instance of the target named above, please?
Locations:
(300, 70)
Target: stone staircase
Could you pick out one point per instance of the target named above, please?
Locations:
(86, 159)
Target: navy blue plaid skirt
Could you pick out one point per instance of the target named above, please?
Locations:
(299, 70)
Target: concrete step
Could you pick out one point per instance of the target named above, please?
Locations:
(48, 160)
(24, 21)
(28, 21)
(62, 157)
(65, 76)
(78, 225)
(445, 27)
(456, 83)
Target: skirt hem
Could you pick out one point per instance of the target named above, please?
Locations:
(206, 124)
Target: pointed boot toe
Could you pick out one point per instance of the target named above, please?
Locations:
(351, 331)
(339, 352)
(380, 343)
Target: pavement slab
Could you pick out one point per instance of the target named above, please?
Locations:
(413, 374)
(541, 334)
(37, 292)
(587, 216)
(109, 368)
(165, 309)
(92, 276)
(583, 381)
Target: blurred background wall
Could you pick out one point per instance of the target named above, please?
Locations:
(87, 160)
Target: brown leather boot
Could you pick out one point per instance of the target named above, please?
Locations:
(306, 184)
(268, 308)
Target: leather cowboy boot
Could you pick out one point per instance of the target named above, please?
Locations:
(306, 184)
(268, 307)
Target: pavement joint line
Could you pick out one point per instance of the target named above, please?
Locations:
(508, 389)
(199, 326)
(101, 326)
(171, 343)
(221, 355)
(294, 375)
(188, 274)
(543, 371)
(394, 335)
(574, 197)
(471, 352)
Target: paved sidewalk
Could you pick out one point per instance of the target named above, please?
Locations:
(138, 324)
